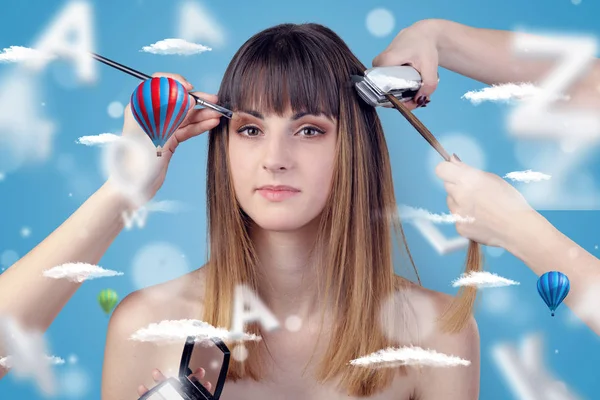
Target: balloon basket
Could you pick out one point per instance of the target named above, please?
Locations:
(159, 152)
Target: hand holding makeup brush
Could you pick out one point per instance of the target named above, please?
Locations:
(196, 122)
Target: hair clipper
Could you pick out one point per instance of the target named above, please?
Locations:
(403, 82)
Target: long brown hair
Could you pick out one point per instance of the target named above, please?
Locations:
(307, 67)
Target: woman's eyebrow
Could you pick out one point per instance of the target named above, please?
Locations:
(301, 114)
(294, 117)
(253, 113)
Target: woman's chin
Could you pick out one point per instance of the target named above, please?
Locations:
(283, 223)
(280, 225)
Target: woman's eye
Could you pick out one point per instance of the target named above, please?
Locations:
(250, 131)
(311, 131)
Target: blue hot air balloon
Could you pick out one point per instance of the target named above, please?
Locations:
(553, 287)
(159, 106)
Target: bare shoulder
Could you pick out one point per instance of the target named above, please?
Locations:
(128, 362)
(461, 379)
(423, 307)
(180, 298)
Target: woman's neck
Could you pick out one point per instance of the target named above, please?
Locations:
(288, 276)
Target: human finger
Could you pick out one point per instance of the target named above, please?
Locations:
(206, 96)
(141, 390)
(450, 188)
(452, 204)
(199, 115)
(429, 81)
(190, 131)
(392, 56)
(198, 375)
(448, 171)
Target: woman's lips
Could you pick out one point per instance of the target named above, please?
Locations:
(278, 193)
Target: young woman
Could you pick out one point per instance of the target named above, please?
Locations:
(300, 209)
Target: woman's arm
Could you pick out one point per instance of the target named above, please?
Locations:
(544, 248)
(34, 300)
(487, 55)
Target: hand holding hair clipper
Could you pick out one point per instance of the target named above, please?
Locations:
(415, 46)
(395, 87)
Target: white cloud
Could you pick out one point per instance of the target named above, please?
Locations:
(93, 140)
(177, 330)
(482, 280)
(505, 93)
(408, 355)
(527, 176)
(178, 47)
(15, 54)
(6, 362)
(410, 213)
(168, 206)
(79, 272)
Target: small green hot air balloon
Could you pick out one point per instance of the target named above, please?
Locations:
(108, 299)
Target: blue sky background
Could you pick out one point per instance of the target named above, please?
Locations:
(39, 196)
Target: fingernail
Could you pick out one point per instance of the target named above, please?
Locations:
(421, 100)
(455, 156)
(427, 101)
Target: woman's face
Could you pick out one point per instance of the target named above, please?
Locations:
(282, 166)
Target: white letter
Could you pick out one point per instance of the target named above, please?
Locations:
(76, 20)
(257, 311)
(138, 216)
(196, 24)
(526, 374)
(533, 117)
(436, 239)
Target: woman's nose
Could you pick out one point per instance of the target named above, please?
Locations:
(277, 154)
